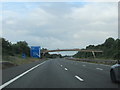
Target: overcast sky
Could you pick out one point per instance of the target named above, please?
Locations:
(60, 25)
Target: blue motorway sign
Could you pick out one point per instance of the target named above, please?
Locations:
(35, 51)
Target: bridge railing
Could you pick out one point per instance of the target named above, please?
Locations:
(58, 50)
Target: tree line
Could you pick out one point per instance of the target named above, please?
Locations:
(110, 48)
(9, 49)
(13, 49)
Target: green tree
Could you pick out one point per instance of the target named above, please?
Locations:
(109, 43)
(21, 47)
(110, 48)
(6, 47)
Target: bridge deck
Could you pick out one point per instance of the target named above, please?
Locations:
(58, 50)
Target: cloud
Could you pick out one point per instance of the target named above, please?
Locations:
(39, 17)
(94, 21)
(61, 25)
(103, 13)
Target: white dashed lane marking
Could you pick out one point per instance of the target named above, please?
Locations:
(66, 69)
(99, 68)
(83, 65)
(80, 79)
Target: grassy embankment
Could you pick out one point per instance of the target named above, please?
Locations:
(17, 60)
(106, 61)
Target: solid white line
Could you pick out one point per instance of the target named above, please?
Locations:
(17, 77)
(66, 69)
(79, 78)
(99, 68)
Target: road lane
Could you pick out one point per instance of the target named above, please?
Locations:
(90, 65)
(12, 72)
(93, 78)
(48, 75)
(52, 74)
(19, 76)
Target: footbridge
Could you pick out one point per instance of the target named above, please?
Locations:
(80, 50)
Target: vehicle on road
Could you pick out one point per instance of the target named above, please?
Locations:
(115, 72)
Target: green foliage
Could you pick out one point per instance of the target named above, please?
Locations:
(11, 49)
(21, 47)
(47, 55)
(6, 47)
(110, 48)
(109, 43)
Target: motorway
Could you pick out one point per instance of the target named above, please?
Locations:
(58, 73)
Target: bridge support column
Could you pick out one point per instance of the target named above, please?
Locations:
(93, 54)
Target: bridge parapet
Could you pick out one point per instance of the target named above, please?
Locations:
(58, 50)
(81, 50)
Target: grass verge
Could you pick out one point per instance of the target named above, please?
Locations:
(10, 61)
